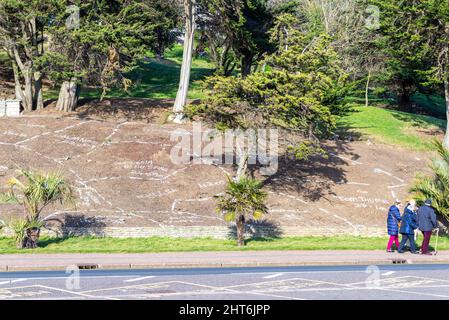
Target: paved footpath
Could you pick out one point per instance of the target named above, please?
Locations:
(30, 262)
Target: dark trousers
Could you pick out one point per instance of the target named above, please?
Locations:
(411, 239)
(425, 242)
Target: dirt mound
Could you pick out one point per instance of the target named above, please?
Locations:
(124, 177)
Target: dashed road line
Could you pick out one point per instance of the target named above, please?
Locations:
(274, 276)
(12, 281)
(139, 279)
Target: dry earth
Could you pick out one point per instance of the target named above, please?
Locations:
(123, 176)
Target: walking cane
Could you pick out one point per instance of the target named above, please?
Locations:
(436, 242)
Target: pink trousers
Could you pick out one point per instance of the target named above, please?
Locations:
(394, 239)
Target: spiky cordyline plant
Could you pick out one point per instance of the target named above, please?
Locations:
(34, 192)
(436, 187)
(243, 199)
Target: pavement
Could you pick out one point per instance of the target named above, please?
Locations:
(33, 262)
(386, 282)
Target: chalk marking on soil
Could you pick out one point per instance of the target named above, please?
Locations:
(50, 132)
(7, 144)
(105, 141)
(398, 186)
(86, 187)
(377, 170)
(356, 230)
(162, 178)
(288, 196)
(354, 162)
(358, 183)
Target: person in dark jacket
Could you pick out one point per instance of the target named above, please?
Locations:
(394, 216)
(427, 222)
(408, 226)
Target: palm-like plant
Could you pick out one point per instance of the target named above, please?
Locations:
(436, 187)
(34, 192)
(243, 199)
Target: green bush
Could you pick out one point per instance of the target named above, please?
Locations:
(18, 226)
(436, 187)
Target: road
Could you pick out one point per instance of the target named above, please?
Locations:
(403, 282)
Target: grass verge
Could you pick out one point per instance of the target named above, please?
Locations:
(160, 244)
(157, 79)
(393, 127)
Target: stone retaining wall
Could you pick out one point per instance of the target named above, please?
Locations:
(209, 232)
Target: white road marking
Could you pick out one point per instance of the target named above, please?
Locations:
(74, 292)
(238, 291)
(13, 281)
(139, 279)
(83, 276)
(274, 276)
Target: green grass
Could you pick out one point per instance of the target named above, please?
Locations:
(3, 57)
(158, 244)
(157, 79)
(391, 127)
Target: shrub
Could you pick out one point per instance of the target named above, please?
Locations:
(436, 187)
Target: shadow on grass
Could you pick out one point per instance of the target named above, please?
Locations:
(51, 241)
(258, 231)
(420, 121)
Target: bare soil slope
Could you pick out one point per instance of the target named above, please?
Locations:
(123, 176)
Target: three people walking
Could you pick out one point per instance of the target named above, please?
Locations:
(423, 219)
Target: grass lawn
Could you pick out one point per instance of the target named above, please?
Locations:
(157, 244)
(157, 79)
(392, 127)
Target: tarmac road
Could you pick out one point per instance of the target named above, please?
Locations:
(403, 282)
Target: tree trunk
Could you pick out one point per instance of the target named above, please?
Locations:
(240, 228)
(223, 55)
(247, 62)
(181, 96)
(31, 239)
(28, 93)
(446, 94)
(405, 98)
(367, 89)
(68, 96)
(228, 67)
(243, 165)
(38, 95)
(17, 86)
